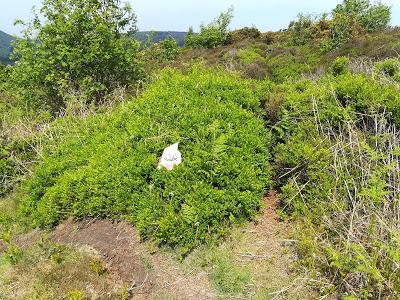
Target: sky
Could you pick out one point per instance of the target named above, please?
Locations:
(178, 15)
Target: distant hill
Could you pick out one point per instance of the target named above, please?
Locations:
(6, 39)
(158, 36)
(5, 47)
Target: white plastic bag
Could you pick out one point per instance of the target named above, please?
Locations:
(171, 157)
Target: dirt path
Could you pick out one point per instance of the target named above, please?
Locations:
(147, 275)
(259, 250)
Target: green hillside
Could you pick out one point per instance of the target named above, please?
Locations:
(142, 36)
(5, 47)
(285, 184)
(158, 36)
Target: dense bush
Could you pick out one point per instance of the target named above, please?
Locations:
(212, 35)
(348, 20)
(390, 67)
(161, 52)
(353, 17)
(242, 34)
(337, 157)
(340, 66)
(301, 30)
(81, 45)
(107, 165)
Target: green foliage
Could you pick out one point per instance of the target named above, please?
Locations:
(212, 35)
(242, 34)
(301, 29)
(390, 67)
(249, 55)
(337, 177)
(108, 166)
(371, 17)
(76, 295)
(340, 66)
(291, 63)
(228, 278)
(163, 51)
(353, 17)
(348, 20)
(81, 45)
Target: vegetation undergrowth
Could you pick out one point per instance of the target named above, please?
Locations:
(337, 156)
(320, 106)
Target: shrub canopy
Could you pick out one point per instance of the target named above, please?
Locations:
(80, 45)
(212, 35)
(107, 167)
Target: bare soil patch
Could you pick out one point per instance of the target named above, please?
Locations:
(148, 275)
(260, 249)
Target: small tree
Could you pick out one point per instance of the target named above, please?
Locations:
(301, 29)
(354, 17)
(211, 35)
(81, 45)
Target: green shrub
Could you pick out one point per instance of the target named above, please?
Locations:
(213, 35)
(242, 34)
(352, 18)
(348, 20)
(389, 67)
(300, 30)
(337, 175)
(340, 66)
(248, 56)
(108, 166)
(81, 46)
(163, 51)
(291, 63)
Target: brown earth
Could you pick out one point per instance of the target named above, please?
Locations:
(146, 274)
(262, 247)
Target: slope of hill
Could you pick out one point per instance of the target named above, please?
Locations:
(162, 35)
(6, 39)
(5, 47)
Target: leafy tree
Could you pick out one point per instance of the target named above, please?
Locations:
(349, 19)
(353, 17)
(371, 17)
(80, 46)
(301, 29)
(211, 35)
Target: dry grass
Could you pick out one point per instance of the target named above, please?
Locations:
(256, 261)
(50, 271)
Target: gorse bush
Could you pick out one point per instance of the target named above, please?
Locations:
(242, 34)
(107, 166)
(212, 35)
(81, 45)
